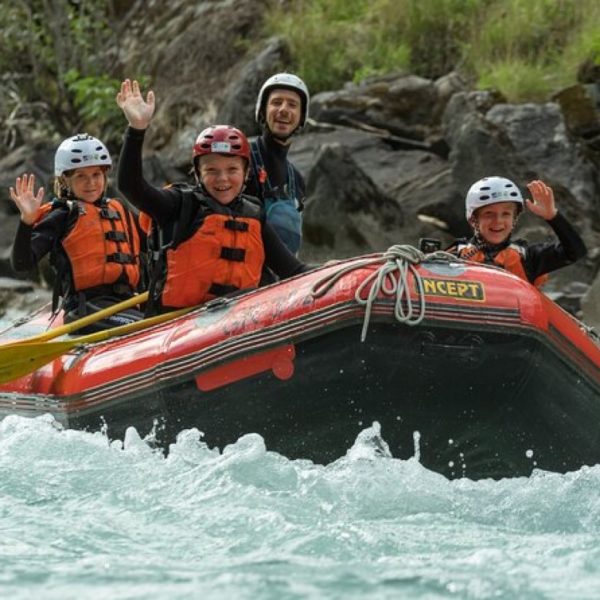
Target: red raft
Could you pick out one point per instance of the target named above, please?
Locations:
(496, 378)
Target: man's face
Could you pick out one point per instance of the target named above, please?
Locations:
(283, 112)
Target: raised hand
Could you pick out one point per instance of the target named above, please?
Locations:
(138, 111)
(23, 196)
(542, 202)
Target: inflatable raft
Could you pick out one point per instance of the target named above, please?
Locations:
(469, 366)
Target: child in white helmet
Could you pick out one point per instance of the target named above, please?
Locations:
(493, 205)
(92, 240)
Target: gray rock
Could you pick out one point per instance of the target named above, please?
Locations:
(239, 100)
(347, 214)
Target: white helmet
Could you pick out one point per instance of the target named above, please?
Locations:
(491, 190)
(78, 151)
(285, 81)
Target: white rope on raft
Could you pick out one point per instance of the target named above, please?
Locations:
(400, 259)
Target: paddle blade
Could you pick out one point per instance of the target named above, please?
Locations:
(16, 361)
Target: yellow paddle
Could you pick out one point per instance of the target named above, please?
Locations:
(26, 356)
(83, 322)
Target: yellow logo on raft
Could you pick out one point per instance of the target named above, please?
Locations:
(465, 290)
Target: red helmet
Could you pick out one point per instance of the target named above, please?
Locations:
(221, 139)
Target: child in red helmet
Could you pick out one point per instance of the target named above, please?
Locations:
(492, 207)
(216, 238)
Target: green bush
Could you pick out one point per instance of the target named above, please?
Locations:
(58, 61)
(525, 48)
(94, 99)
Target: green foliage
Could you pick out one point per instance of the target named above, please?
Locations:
(327, 40)
(94, 98)
(519, 80)
(530, 49)
(60, 55)
(525, 48)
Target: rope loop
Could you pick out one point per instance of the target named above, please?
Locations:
(390, 279)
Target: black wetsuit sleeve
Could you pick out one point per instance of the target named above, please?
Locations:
(161, 204)
(252, 188)
(300, 186)
(31, 243)
(550, 256)
(277, 256)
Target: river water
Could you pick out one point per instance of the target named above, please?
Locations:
(83, 517)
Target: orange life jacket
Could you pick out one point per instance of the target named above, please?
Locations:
(223, 255)
(102, 244)
(509, 258)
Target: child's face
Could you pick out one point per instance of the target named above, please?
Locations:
(223, 176)
(495, 222)
(88, 183)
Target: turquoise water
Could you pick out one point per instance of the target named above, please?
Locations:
(82, 517)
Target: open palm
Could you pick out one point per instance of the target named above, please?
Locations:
(542, 200)
(138, 111)
(26, 200)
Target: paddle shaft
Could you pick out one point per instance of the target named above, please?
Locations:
(84, 321)
(23, 358)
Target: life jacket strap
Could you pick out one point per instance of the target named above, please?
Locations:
(233, 254)
(121, 257)
(216, 289)
(109, 213)
(234, 225)
(116, 236)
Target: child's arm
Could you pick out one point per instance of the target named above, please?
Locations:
(550, 256)
(159, 203)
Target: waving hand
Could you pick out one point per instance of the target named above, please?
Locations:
(23, 196)
(138, 111)
(542, 202)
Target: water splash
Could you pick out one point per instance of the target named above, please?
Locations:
(85, 517)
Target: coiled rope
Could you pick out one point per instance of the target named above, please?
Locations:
(400, 259)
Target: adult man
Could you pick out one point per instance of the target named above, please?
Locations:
(281, 110)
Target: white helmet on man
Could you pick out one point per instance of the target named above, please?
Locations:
(81, 150)
(491, 190)
(285, 81)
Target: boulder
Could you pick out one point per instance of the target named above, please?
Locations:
(348, 214)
